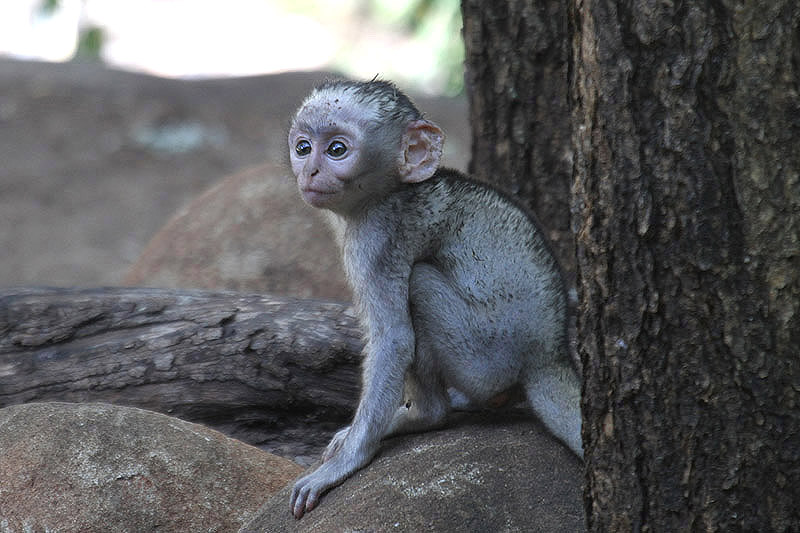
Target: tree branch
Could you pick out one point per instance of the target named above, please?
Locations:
(261, 368)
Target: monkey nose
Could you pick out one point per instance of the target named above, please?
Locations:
(310, 168)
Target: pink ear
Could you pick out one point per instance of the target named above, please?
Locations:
(421, 151)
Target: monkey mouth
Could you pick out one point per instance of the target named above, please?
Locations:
(317, 197)
(316, 191)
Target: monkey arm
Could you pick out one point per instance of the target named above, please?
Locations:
(384, 369)
(385, 313)
(386, 316)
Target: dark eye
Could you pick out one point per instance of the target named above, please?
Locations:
(337, 149)
(302, 148)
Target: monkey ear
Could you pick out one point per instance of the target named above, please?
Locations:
(421, 151)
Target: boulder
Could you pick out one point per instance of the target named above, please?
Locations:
(489, 472)
(249, 232)
(97, 467)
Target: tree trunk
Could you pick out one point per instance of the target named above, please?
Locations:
(517, 56)
(276, 372)
(687, 202)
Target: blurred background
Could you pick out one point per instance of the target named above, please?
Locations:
(143, 142)
(415, 42)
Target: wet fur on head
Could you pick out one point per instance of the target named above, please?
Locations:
(387, 103)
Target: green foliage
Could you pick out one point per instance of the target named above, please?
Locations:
(434, 27)
(434, 60)
(90, 43)
(438, 24)
(48, 6)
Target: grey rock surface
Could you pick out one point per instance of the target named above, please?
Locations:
(249, 232)
(483, 473)
(96, 467)
(95, 160)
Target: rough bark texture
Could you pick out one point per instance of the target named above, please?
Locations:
(517, 56)
(687, 204)
(280, 373)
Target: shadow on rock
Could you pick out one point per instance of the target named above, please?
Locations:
(482, 473)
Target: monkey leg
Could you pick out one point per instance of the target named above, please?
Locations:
(425, 406)
(464, 342)
(554, 395)
(460, 402)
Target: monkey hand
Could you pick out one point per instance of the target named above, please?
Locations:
(335, 444)
(308, 489)
(350, 457)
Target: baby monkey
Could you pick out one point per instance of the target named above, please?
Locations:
(456, 287)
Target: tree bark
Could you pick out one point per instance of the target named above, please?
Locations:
(517, 57)
(687, 203)
(276, 372)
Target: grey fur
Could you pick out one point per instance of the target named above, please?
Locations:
(457, 289)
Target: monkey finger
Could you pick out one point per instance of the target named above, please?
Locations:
(328, 454)
(298, 501)
(335, 444)
(305, 495)
(305, 501)
(292, 501)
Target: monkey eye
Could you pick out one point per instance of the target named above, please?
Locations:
(336, 149)
(302, 147)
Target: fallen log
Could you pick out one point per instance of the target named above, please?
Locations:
(276, 372)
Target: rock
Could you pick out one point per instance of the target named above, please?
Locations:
(249, 232)
(97, 467)
(482, 473)
(84, 187)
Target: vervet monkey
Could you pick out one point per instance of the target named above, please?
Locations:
(455, 285)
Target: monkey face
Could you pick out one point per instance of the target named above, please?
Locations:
(347, 151)
(323, 163)
(325, 147)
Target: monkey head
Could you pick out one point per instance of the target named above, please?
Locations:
(354, 142)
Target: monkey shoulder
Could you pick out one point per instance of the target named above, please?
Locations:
(447, 217)
(457, 201)
(461, 216)
(463, 189)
